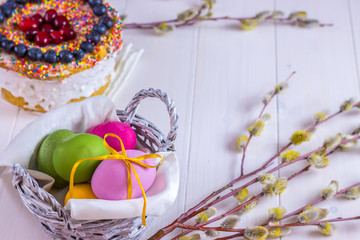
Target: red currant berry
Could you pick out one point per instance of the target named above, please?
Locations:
(56, 37)
(30, 34)
(68, 33)
(28, 24)
(50, 15)
(60, 21)
(42, 39)
(38, 19)
(47, 28)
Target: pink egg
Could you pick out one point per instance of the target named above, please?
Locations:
(124, 131)
(109, 180)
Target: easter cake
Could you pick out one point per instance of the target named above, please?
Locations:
(54, 52)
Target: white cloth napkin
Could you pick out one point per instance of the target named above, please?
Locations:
(80, 117)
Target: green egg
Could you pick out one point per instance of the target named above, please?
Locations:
(45, 155)
(74, 148)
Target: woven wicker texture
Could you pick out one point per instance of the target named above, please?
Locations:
(58, 223)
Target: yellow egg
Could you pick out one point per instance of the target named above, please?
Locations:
(81, 191)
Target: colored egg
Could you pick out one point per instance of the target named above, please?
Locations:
(74, 148)
(110, 178)
(45, 155)
(124, 131)
(80, 191)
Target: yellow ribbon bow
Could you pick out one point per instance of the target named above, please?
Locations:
(128, 161)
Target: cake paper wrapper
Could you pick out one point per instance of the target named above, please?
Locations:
(81, 117)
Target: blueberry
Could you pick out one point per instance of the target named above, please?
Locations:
(66, 56)
(22, 2)
(7, 45)
(87, 47)
(107, 21)
(78, 54)
(99, 10)
(35, 54)
(93, 37)
(92, 3)
(11, 4)
(20, 50)
(100, 28)
(2, 37)
(2, 17)
(6, 10)
(50, 56)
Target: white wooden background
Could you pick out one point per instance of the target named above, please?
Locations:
(217, 75)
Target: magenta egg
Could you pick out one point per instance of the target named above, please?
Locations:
(124, 131)
(109, 180)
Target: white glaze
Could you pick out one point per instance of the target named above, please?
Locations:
(50, 94)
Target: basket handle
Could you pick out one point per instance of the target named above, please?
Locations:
(131, 109)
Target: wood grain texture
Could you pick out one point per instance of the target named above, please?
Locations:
(8, 120)
(327, 76)
(228, 92)
(217, 75)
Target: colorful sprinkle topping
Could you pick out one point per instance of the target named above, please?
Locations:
(82, 20)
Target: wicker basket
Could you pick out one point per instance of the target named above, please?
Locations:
(58, 223)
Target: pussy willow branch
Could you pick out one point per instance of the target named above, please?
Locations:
(190, 212)
(268, 162)
(339, 219)
(309, 129)
(197, 19)
(353, 133)
(317, 201)
(260, 195)
(296, 224)
(294, 213)
(260, 115)
(236, 190)
(203, 205)
(175, 224)
(199, 226)
(301, 158)
(285, 216)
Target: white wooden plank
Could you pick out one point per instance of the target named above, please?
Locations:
(16, 222)
(235, 70)
(354, 7)
(7, 119)
(10, 211)
(324, 60)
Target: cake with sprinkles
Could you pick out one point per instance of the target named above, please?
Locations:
(54, 52)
